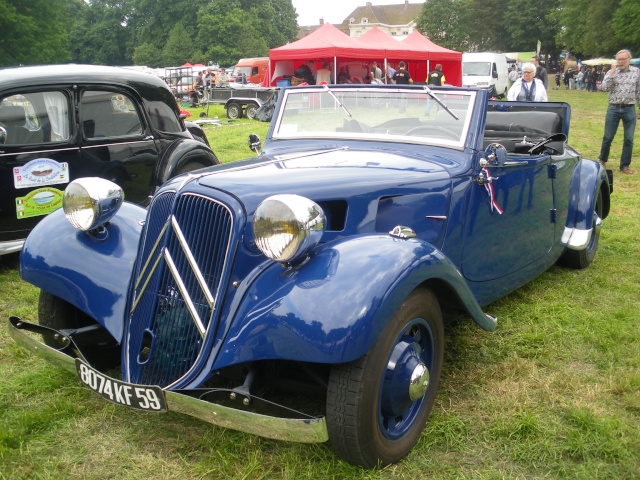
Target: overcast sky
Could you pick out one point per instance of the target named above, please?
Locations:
(333, 11)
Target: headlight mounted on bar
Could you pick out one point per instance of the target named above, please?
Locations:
(286, 227)
(90, 202)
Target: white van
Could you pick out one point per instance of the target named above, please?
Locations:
(485, 70)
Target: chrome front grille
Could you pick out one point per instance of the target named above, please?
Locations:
(178, 283)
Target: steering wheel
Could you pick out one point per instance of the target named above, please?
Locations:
(434, 128)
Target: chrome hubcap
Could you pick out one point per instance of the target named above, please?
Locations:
(419, 382)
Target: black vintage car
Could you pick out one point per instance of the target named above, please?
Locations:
(59, 123)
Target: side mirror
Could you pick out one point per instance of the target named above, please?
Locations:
(3, 136)
(494, 74)
(255, 144)
(495, 155)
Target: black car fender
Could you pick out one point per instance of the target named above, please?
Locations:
(181, 153)
(332, 308)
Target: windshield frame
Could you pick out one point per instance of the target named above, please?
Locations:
(300, 100)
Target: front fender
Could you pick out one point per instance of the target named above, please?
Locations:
(92, 275)
(332, 308)
(588, 179)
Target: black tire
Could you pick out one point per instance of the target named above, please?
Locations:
(372, 417)
(53, 312)
(234, 111)
(251, 110)
(581, 259)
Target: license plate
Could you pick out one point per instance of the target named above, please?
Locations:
(142, 397)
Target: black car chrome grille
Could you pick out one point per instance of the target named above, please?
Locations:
(177, 286)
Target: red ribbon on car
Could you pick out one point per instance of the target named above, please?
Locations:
(492, 196)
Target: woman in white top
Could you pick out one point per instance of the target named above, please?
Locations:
(528, 88)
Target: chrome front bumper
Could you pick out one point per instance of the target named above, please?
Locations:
(304, 430)
(11, 246)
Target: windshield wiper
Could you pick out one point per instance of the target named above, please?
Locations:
(432, 95)
(328, 90)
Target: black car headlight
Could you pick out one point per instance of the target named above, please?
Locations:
(90, 202)
(286, 227)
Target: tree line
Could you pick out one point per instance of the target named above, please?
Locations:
(585, 28)
(143, 32)
(170, 32)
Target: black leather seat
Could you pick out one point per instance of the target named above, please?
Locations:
(13, 120)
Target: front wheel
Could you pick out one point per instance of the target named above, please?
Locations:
(378, 405)
(99, 348)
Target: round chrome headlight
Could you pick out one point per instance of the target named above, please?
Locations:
(91, 201)
(285, 227)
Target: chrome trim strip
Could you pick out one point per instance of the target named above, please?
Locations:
(192, 262)
(185, 294)
(151, 252)
(4, 153)
(304, 430)
(11, 246)
(144, 287)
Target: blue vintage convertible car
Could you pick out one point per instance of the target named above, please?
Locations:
(303, 294)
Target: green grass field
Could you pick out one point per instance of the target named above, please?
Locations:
(553, 393)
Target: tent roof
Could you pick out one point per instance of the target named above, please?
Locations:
(393, 48)
(327, 41)
(419, 42)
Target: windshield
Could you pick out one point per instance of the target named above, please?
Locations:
(476, 68)
(375, 113)
(239, 70)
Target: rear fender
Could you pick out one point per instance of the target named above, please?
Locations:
(180, 153)
(333, 307)
(588, 179)
(92, 275)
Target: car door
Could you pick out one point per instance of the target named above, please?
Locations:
(37, 157)
(116, 141)
(510, 223)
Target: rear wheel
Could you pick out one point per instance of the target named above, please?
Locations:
(378, 405)
(251, 110)
(234, 111)
(581, 259)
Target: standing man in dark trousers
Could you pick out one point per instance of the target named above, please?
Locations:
(623, 84)
(402, 77)
(541, 72)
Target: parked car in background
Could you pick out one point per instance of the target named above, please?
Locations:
(250, 70)
(486, 70)
(303, 294)
(60, 123)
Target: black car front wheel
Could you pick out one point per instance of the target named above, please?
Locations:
(377, 406)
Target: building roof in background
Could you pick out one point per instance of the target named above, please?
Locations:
(402, 14)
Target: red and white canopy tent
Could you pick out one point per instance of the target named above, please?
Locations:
(328, 44)
(450, 60)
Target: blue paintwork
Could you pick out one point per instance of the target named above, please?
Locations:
(93, 276)
(332, 307)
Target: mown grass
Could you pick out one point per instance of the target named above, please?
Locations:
(554, 392)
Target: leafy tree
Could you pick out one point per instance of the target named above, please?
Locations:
(486, 26)
(179, 47)
(586, 26)
(446, 22)
(225, 28)
(530, 21)
(149, 55)
(152, 21)
(626, 25)
(33, 32)
(99, 35)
